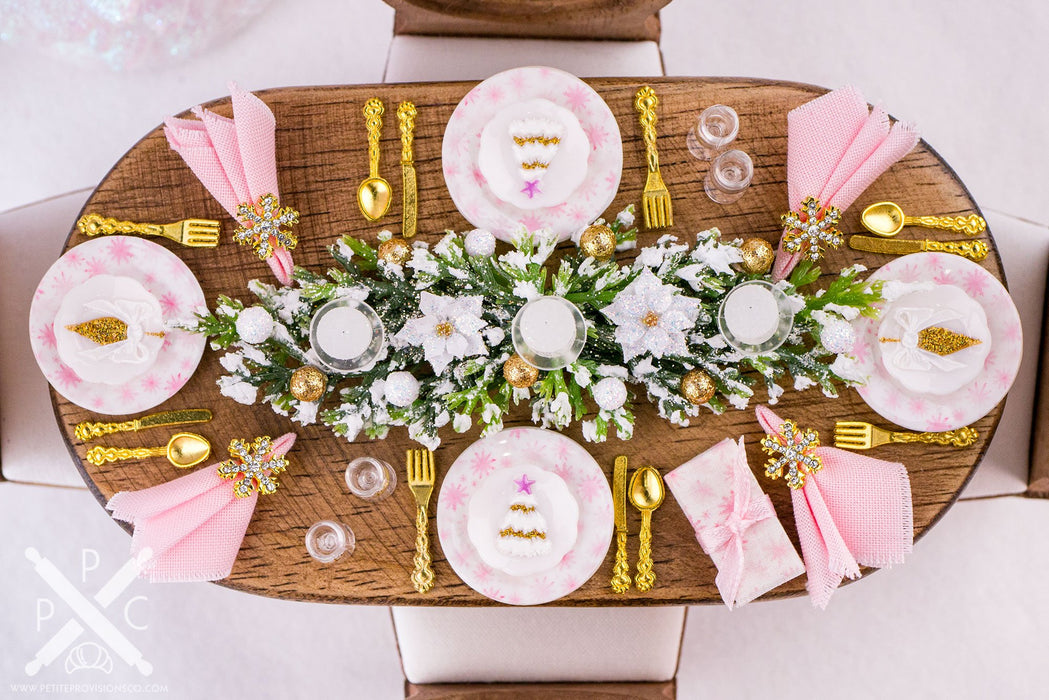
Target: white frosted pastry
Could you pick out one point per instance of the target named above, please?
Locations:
(925, 361)
(533, 154)
(109, 296)
(522, 527)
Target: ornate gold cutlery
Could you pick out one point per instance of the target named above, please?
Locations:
(646, 493)
(420, 481)
(406, 120)
(857, 435)
(183, 450)
(973, 250)
(89, 431)
(887, 219)
(621, 570)
(655, 201)
(374, 194)
(194, 233)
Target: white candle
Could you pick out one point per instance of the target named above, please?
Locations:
(548, 326)
(751, 313)
(343, 333)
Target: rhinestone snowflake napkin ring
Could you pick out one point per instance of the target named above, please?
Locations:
(252, 468)
(812, 229)
(792, 454)
(266, 226)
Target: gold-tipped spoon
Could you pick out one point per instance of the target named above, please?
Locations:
(887, 219)
(374, 194)
(183, 450)
(646, 493)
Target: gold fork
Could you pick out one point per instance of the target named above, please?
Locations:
(655, 201)
(195, 233)
(420, 481)
(857, 435)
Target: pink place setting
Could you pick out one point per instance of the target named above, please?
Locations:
(130, 379)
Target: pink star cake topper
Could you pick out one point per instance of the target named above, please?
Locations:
(524, 484)
(531, 188)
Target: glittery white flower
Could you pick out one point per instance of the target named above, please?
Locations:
(449, 329)
(652, 317)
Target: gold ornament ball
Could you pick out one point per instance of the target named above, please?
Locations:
(598, 241)
(757, 255)
(519, 373)
(395, 251)
(697, 387)
(308, 383)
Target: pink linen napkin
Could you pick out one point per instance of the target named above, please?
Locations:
(235, 159)
(855, 511)
(735, 523)
(837, 147)
(194, 525)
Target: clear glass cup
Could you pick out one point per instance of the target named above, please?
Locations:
(328, 540)
(370, 478)
(729, 177)
(716, 128)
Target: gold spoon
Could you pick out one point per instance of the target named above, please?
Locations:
(374, 194)
(183, 450)
(887, 219)
(646, 493)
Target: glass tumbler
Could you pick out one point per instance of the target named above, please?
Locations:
(729, 177)
(328, 540)
(370, 479)
(716, 128)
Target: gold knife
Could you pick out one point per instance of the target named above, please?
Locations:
(406, 120)
(621, 571)
(973, 250)
(89, 431)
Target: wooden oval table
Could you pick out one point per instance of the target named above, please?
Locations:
(321, 156)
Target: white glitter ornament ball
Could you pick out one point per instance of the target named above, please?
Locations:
(837, 336)
(479, 243)
(254, 324)
(610, 393)
(402, 388)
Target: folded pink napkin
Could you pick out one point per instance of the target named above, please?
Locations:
(850, 511)
(836, 147)
(735, 523)
(235, 159)
(194, 525)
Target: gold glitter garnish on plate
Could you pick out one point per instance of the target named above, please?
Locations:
(105, 330)
(940, 341)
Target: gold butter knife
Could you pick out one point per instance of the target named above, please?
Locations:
(621, 571)
(89, 431)
(406, 120)
(973, 250)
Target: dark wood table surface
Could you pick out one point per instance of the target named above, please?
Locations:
(321, 156)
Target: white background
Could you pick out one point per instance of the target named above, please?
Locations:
(965, 617)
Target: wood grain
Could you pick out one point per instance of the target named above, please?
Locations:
(631, 20)
(321, 151)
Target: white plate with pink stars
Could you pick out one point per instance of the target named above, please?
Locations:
(164, 276)
(512, 453)
(926, 412)
(490, 100)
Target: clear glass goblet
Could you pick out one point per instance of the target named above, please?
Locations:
(729, 176)
(716, 128)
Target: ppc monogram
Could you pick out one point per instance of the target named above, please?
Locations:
(87, 613)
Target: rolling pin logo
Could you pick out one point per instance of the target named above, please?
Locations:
(89, 614)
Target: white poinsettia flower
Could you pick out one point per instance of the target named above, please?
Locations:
(449, 329)
(652, 317)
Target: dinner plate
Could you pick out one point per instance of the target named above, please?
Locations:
(164, 276)
(489, 99)
(925, 412)
(517, 450)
